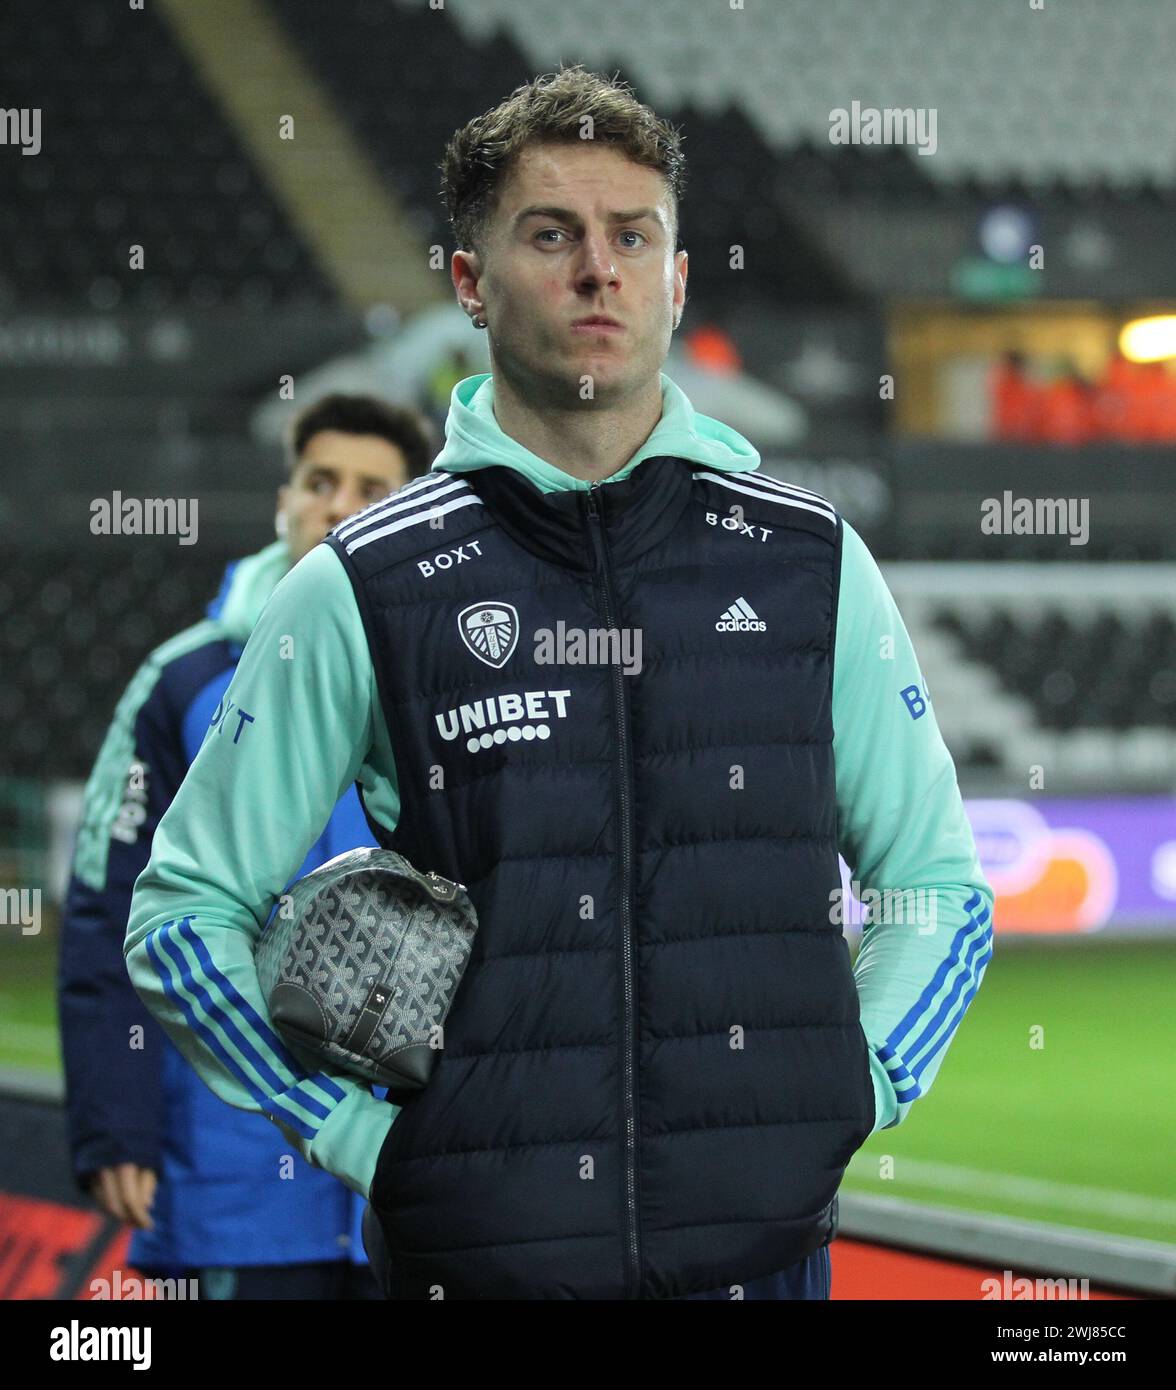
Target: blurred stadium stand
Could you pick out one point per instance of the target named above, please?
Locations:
(1068, 668)
(862, 261)
(135, 151)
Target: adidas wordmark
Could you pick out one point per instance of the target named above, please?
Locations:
(740, 617)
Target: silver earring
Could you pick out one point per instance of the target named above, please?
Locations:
(480, 322)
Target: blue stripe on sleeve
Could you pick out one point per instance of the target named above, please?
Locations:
(925, 999)
(952, 1008)
(978, 935)
(899, 1076)
(980, 964)
(213, 1009)
(259, 1026)
(214, 1044)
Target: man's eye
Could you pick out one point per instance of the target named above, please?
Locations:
(556, 231)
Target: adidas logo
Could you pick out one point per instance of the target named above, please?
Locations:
(740, 617)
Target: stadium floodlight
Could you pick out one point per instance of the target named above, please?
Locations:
(1149, 340)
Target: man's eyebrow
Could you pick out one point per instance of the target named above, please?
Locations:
(567, 215)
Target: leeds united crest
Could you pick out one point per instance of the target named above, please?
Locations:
(490, 631)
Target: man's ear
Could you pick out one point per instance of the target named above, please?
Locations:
(281, 523)
(680, 272)
(465, 270)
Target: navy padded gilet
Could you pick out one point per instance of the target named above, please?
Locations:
(653, 1073)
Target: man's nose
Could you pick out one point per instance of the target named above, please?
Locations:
(344, 502)
(596, 260)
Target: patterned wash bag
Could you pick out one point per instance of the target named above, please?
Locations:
(359, 970)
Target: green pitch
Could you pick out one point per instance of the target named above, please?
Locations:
(1080, 1131)
(28, 1005)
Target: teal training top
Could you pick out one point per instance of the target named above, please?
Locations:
(301, 721)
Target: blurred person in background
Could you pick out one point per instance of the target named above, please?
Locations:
(1135, 402)
(1014, 399)
(1067, 410)
(214, 1193)
(1112, 396)
(1147, 407)
(1164, 419)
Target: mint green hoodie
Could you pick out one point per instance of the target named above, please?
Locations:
(251, 807)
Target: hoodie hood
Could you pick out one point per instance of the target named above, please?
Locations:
(474, 439)
(246, 585)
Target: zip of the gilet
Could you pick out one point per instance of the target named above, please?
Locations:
(628, 1022)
